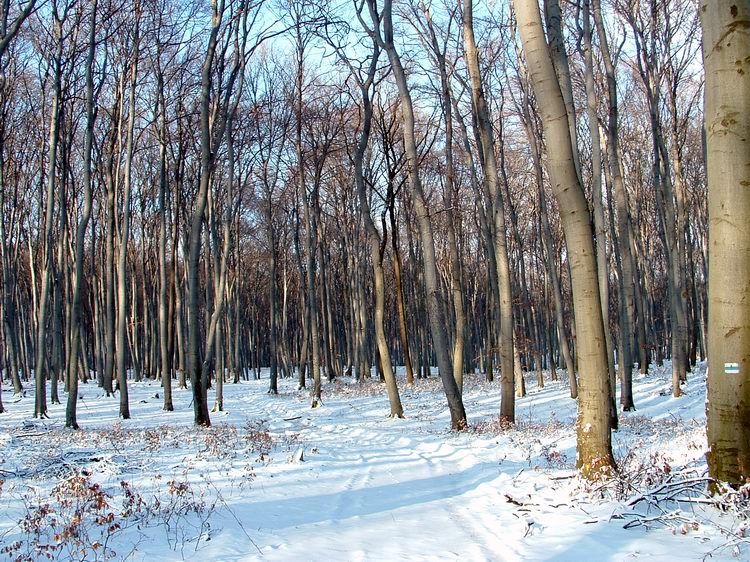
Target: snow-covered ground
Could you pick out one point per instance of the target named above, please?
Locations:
(366, 487)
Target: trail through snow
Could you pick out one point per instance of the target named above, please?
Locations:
(368, 487)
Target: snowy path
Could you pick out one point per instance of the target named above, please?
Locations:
(369, 489)
(378, 489)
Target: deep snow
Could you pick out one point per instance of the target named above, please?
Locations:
(367, 487)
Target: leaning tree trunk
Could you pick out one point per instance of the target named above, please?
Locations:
(434, 302)
(726, 55)
(490, 167)
(594, 451)
(377, 246)
(75, 314)
(40, 377)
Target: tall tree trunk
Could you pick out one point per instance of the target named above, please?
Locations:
(310, 231)
(273, 302)
(594, 451)
(122, 262)
(166, 363)
(600, 227)
(199, 379)
(434, 302)
(548, 242)
(627, 278)
(40, 377)
(76, 313)
(449, 188)
(377, 246)
(489, 160)
(726, 52)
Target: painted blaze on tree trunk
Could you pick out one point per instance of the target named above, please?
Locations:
(726, 55)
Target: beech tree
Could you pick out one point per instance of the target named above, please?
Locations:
(381, 30)
(726, 48)
(594, 451)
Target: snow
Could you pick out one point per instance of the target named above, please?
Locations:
(275, 480)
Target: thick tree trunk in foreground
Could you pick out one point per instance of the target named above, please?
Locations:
(726, 52)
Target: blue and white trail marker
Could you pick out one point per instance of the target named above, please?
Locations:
(732, 368)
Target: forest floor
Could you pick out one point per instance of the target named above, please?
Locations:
(275, 480)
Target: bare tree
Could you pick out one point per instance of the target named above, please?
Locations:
(594, 454)
(382, 31)
(483, 122)
(726, 50)
(76, 305)
(10, 26)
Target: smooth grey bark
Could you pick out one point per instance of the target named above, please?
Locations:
(627, 278)
(726, 56)
(600, 227)
(535, 143)
(164, 355)
(434, 301)
(199, 378)
(594, 450)
(40, 399)
(486, 143)
(75, 314)
(109, 259)
(122, 261)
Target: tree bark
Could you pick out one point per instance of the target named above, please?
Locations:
(122, 262)
(76, 313)
(490, 168)
(726, 55)
(40, 400)
(594, 451)
(435, 302)
(377, 245)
